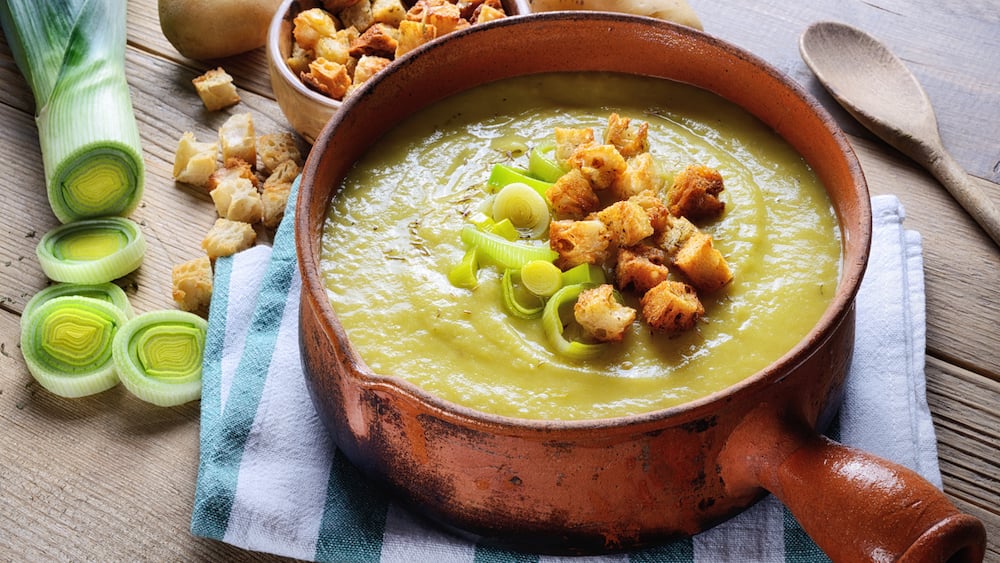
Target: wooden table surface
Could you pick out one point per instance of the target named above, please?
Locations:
(110, 478)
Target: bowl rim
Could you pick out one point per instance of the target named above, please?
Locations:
(839, 310)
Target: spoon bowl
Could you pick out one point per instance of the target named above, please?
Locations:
(876, 88)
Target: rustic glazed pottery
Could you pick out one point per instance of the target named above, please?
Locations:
(607, 485)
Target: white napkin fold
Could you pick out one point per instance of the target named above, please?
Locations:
(270, 479)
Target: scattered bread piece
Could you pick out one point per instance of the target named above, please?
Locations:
(276, 148)
(227, 237)
(232, 168)
(216, 89)
(237, 139)
(194, 162)
(237, 199)
(192, 284)
(601, 316)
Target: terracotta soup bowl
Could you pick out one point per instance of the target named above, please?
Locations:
(620, 483)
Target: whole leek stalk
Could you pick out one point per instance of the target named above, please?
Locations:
(72, 54)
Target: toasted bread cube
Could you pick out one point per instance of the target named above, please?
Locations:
(299, 59)
(233, 168)
(379, 40)
(413, 34)
(601, 316)
(655, 208)
(359, 15)
(194, 162)
(284, 173)
(274, 199)
(191, 284)
(389, 12)
(237, 199)
(216, 89)
(695, 193)
(635, 269)
(630, 141)
(671, 306)
(486, 13)
(572, 197)
(275, 148)
(568, 141)
(641, 174)
(237, 139)
(328, 77)
(309, 25)
(627, 222)
(442, 14)
(675, 234)
(702, 263)
(336, 48)
(579, 242)
(368, 66)
(601, 164)
(228, 237)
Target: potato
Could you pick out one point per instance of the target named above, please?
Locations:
(212, 29)
(677, 11)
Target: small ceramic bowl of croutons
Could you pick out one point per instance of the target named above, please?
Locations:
(320, 51)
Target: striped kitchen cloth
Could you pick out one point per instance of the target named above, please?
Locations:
(270, 479)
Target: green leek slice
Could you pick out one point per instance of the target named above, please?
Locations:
(504, 228)
(542, 278)
(464, 273)
(158, 356)
(72, 54)
(543, 166)
(554, 329)
(502, 175)
(91, 251)
(66, 342)
(524, 207)
(584, 273)
(515, 307)
(103, 291)
(505, 253)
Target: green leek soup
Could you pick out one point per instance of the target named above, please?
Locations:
(392, 236)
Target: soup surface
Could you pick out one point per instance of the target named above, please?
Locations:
(392, 236)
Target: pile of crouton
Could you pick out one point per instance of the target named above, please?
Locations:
(342, 43)
(610, 211)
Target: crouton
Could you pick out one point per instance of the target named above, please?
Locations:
(640, 174)
(194, 162)
(368, 66)
(336, 48)
(695, 193)
(191, 284)
(274, 199)
(327, 77)
(283, 173)
(389, 12)
(486, 13)
(469, 8)
(275, 148)
(702, 263)
(630, 141)
(309, 25)
(228, 237)
(232, 168)
(442, 14)
(601, 164)
(379, 40)
(572, 197)
(237, 199)
(601, 316)
(237, 139)
(299, 59)
(579, 242)
(655, 208)
(635, 270)
(216, 90)
(671, 306)
(569, 140)
(627, 222)
(358, 15)
(675, 234)
(412, 35)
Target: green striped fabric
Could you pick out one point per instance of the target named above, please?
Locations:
(269, 478)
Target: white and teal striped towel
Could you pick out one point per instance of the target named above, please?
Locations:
(270, 479)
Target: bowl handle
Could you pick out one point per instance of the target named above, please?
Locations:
(854, 505)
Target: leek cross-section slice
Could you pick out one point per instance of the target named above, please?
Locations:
(103, 291)
(91, 251)
(158, 356)
(554, 329)
(507, 254)
(66, 342)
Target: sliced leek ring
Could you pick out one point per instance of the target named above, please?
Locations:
(552, 324)
(103, 291)
(91, 251)
(159, 354)
(524, 207)
(66, 341)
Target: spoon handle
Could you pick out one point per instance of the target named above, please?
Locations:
(969, 195)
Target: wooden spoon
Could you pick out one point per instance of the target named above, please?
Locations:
(876, 88)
